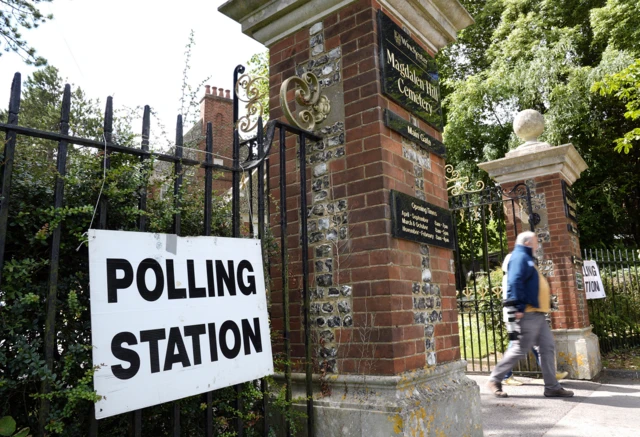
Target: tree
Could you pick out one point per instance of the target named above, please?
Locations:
(624, 85)
(16, 15)
(617, 23)
(546, 55)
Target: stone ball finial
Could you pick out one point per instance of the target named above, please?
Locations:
(528, 125)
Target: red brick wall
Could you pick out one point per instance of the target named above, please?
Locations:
(381, 270)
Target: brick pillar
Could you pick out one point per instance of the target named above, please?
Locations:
(381, 306)
(365, 280)
(549, 172)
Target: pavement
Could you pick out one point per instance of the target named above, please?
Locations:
(607, 407)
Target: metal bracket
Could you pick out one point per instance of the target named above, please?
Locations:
(308, 96)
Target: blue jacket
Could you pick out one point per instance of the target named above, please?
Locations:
(522, 280)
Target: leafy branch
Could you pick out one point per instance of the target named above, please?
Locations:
(625, 86)
(16, 15)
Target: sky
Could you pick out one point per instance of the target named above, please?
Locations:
(133, 50)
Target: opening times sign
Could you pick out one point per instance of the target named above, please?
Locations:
(409, 73)
(416, 220)
(173, 317)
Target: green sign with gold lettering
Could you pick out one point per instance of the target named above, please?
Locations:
(394, 122)
(409, 75)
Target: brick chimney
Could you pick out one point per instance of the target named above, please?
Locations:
(217, 107)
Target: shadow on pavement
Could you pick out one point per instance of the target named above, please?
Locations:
(619, 387)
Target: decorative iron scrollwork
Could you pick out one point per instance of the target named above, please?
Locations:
(248, 92)
(520, 191)
(461, 184)
(497, 292)
(307, 95)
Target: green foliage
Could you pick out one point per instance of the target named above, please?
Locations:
(16, 15)
(287, 411)
(482, 331)
(8, 427)
(481, 335)
(616, 318)
(482, 231)
(546, 55)
(487, 282)
(25, 274)
(624, 85)
(617, 23)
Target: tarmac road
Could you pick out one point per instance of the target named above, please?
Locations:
(609, 407)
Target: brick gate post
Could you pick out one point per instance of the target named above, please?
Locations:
(384, 302)
(550, 172)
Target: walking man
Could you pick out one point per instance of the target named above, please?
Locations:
(513, 328)
(530, 290)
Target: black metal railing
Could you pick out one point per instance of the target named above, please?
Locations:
(616, 318)
(256, 164)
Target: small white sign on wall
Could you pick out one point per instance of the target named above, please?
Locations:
(173, 317)
(592, 282)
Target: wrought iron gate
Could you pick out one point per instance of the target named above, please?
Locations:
(250, 160)
(485, 219)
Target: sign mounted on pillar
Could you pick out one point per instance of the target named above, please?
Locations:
(173, 317)
(409, 75)
(396, 123)
(416, 220)
(592, 280)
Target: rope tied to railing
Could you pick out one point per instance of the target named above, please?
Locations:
(95, 209)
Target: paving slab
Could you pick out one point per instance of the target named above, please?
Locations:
(609, 407)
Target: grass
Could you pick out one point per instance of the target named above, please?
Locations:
(478, 343)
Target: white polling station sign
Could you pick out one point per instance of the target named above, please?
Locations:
(592, 281)
(173, 317)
